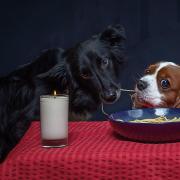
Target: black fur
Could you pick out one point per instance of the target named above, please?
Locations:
(87, 71)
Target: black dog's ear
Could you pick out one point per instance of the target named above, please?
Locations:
(113, 34)
(55, 72)
(58, 72)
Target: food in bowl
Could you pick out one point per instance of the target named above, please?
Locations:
(147, 132)
(160, 119)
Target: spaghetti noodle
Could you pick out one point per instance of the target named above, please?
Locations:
(160, 119)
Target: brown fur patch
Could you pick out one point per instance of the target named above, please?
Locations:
(151, 69)
(172, 74)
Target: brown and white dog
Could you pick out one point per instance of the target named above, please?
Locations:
(159, 87)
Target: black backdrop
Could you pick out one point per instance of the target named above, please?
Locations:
(152, 28)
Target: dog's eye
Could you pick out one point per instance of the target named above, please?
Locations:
(165, 84)
(105, 61)
(85, 74)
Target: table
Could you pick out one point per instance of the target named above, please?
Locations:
(94, 152)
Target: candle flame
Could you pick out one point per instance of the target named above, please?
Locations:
(54, 93)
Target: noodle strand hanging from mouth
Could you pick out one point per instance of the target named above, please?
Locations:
(127, 90)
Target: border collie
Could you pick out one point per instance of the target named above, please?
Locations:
(88, 72)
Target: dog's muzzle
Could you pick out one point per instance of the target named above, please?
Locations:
(110, 96)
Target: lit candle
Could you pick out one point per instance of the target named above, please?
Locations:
(54, 120)
(54, 93)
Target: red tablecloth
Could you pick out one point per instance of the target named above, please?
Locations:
(93, 153)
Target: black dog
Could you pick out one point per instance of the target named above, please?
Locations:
(87, 71)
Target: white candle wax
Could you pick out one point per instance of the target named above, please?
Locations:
(54, 117)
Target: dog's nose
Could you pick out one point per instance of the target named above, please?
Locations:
(141, 85)
(109, 96)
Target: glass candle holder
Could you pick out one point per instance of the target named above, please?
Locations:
(54, 120)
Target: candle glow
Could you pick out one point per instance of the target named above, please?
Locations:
(54, 93)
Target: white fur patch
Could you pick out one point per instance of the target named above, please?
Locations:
(152, 94)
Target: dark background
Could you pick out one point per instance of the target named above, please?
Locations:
(152, 28)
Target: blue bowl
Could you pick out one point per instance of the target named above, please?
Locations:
(147, 132)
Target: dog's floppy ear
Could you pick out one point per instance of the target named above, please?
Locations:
(55, 72)
(113, 34)
(58, 72)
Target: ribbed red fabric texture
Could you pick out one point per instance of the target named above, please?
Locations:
(93, 153)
